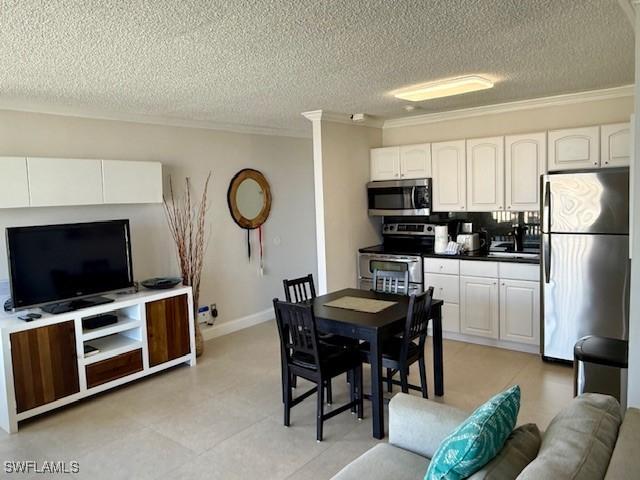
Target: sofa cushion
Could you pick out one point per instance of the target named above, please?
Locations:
(625, 461)
(382, 462)
(478, 439)
(519, 450)
(579, 441)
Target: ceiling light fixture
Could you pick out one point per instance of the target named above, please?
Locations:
(443, 88)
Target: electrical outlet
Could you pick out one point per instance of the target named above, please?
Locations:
(213, 310)
(203, 314)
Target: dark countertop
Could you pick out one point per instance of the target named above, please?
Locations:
(482, 256)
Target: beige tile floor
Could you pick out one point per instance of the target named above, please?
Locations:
(223, 418)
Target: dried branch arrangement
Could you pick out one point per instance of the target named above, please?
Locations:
(187, 223)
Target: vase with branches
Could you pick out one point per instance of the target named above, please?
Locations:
(188, 226)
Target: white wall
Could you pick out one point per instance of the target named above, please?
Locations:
(341, 158)
(514, 122)
(230, 280)
(633, 388)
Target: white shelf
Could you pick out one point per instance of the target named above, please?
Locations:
(124, 323)
(111, 346)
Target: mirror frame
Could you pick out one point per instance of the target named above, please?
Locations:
(259, 178)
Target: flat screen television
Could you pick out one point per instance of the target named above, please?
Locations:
(55, 263)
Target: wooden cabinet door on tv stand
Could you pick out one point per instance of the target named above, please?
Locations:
(168, 329)
(45, 365)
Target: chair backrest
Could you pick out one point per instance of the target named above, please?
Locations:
(388, 281)
(417, 318)
(302, 289)
(297, 329)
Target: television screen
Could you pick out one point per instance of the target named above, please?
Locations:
(48, 264)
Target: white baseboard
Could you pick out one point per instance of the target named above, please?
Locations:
(489, 342)
(238, 324)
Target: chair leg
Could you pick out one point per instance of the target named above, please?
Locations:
(287, 399)
(423, 377)
(329, 393)
(294, 381)
(389, 380)
(404, 382)
(359, 391)
(320, 411)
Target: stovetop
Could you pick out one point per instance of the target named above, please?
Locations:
(427, 251)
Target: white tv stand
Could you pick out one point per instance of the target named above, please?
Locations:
(43, 361)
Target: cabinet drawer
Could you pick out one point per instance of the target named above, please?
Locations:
(474, 268)
(442, 265)
(519, 271)
(114, 368)
(445, 287)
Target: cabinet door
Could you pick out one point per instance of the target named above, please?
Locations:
(615, 144)
(485, 174)
(385, 163)
(14, 184)
(520, 311)
(45, 365)
(168, 329)
(449, 176)
(451, 317)
(63, 181)
(525, 161)
(574, 148)
(132, 182)
(479, 309)
(415, 161)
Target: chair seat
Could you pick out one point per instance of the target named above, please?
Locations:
(337, 340)
(391, 349)
(334, 359)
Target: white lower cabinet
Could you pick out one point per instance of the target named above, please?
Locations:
(479, 309)
(520, 311)
(447, 289)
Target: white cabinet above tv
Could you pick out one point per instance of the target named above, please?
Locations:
(50, 182)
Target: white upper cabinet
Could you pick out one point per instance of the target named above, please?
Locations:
(132, 182)
(520, 311)
(485, 174)
(615, 145)
(64, 181)
(396, 163)
(525, 161)
(14, 184)
(449, 176)
(385, 163)
(574, 148)
(415, 161)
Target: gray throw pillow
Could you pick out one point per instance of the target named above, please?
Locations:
(579, 441)
(519, 450)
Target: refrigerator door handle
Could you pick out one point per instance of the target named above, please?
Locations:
(546, 248)
(546, 208)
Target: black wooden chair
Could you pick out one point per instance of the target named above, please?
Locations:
(389, 281)
(305, 356)
(400, 352)
(301, 290)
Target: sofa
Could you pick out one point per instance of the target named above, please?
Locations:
(586, 440)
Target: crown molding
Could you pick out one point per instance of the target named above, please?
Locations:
(336, 117)
(556, 100)
(155, 120)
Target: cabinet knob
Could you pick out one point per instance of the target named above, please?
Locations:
(509, 207)
(500, 207)
(606, 163)
(595, 163)
(495, 283)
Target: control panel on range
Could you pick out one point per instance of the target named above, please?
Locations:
(424, 229)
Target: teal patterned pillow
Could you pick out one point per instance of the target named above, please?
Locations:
(477, 440)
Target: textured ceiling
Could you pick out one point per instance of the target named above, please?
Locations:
(262, 62)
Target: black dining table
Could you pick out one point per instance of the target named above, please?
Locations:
(375, 328)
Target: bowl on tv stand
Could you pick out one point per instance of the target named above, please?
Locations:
(70, 305)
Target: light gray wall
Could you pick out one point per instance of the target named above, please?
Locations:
(229, 280)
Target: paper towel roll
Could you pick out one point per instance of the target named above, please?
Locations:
(442, 238)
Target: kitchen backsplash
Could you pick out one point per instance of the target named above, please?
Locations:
(499, 224)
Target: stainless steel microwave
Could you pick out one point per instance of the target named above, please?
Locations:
(399, 197)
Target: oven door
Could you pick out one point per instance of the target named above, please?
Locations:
(368, 262)
(399, 197)
(367, 284)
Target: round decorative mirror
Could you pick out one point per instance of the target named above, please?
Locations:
(249, 198)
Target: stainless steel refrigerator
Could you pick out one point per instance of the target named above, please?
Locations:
(585, 258)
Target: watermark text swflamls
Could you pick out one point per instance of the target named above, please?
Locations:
(45, 467)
